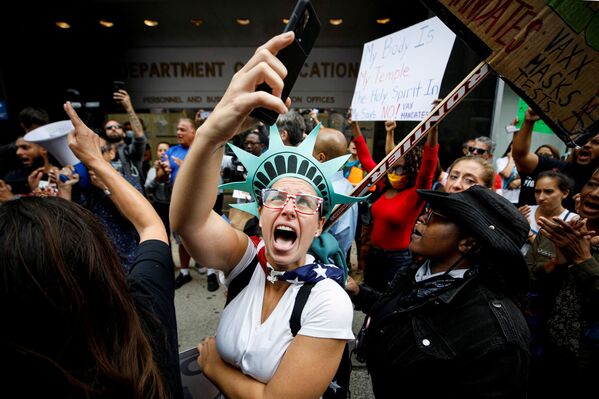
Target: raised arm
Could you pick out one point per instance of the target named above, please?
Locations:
(429, 161)
(433, 137)
(389, 139)
(123, 98)
(138, 146)
(209, 239)
(86, 146)
(526, 161)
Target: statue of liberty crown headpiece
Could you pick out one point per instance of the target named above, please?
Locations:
(281, 161)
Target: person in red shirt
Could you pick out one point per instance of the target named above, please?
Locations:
(395, 212)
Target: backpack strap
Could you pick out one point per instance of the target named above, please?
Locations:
(300, 301)
(339, 387)
(241, 281)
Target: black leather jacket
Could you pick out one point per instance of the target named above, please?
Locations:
(467, 342)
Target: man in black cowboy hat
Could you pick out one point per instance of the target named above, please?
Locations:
(452, 326)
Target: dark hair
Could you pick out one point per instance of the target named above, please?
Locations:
(412, 165)
(553, 149)
(295, 126)
(262, 132)
(69, 318)
(507, 150)
(564, 183)
(33, 116)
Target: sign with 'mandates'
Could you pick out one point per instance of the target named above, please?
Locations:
(546, 50)
(401, 73)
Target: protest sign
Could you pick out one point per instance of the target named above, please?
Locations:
(539, 127)
(400, 74)
(546, 50)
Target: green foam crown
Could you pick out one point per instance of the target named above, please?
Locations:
(280, 161)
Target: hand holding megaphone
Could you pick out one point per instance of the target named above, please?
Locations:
(84, 143)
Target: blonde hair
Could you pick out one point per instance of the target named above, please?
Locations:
(488, 176)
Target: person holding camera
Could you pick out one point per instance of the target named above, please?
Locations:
(129, 157)
(257, 350)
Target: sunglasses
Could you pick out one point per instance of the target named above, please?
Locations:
(251, 143)
(476, 150)
(430, 214)
(303, 203)
(112, 127)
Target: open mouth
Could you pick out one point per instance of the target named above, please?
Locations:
(590, 206)
(416, 233)
(284, 237)
(584, 155)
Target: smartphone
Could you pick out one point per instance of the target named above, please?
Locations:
(117, 85)
(510, 129)
(305, 24)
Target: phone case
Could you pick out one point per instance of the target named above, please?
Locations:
(306, 26)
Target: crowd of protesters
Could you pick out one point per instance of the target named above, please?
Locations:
(477, 280)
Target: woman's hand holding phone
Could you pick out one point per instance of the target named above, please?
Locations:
(230, 116)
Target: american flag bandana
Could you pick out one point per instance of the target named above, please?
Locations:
(309, 273)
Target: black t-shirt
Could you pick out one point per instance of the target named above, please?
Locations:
(527, 190)
(151, 282)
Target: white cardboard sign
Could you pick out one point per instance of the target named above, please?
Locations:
(401, 73)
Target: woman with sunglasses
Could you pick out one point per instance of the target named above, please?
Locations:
(396, 210)
(451, 327)
(255, 354)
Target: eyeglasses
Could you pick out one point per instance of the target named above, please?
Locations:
(399, 170)
(111, 127)
(303, 203)
(430, 214)
(476, 150)
(251, 143)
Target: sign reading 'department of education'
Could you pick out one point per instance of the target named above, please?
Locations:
(400, 74)
(547, 50)
(197, 77)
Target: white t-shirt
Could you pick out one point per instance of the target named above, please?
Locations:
(511, 195)
(566, 216)
(257, 349)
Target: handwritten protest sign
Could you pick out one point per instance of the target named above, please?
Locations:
(539, 127)
(546, 50)
(400, 74)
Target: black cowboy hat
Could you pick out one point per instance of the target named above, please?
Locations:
(494, 222)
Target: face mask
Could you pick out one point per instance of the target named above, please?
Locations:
(397, 181)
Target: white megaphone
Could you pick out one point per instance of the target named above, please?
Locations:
(53, 137)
